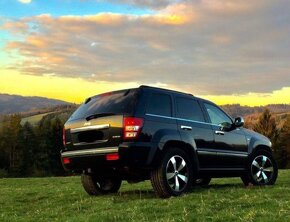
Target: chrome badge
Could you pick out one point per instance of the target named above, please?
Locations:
(87, 124)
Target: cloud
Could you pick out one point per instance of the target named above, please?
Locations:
(152, 4)
(226, 47)
(25, 1)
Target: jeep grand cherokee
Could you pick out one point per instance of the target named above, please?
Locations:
(172, 138)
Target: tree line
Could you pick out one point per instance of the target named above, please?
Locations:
(34, 150)
(31, 150)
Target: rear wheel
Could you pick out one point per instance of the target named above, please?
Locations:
(262, 169)
(97, 185)
(174, 176)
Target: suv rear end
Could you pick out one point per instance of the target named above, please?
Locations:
(99, 140)
(93, 133)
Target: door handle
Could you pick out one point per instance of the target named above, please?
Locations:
(186, 127)
(218, 132)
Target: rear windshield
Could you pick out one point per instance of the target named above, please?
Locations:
(118, 102)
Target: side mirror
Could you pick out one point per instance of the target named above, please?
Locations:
(239, 122)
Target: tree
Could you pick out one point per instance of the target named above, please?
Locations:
(266, 125)
(284, 144)
(10, 134)
(55, 146)
(49, 132)
(31, 150)
(28, 143)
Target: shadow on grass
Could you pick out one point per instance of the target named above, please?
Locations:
(149, 193)
(137, 194)
(223, 186)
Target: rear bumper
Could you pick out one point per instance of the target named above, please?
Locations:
(131, 154)
(89, 152)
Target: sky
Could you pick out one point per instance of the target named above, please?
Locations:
(227, 51)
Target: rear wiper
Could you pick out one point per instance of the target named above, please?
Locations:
(94, 116)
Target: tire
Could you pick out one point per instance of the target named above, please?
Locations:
(262, 169)
(203, 182)
(174, 175)
(95, 185)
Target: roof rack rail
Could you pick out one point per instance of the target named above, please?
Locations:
(153, 87)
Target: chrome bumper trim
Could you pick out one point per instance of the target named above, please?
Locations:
(86, 128)
(89, 152)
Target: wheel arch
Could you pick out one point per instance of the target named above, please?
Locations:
(186, 147)
(257, 143)
(261, 147)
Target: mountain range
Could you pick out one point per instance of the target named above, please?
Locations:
(21, 104)
(10, 104)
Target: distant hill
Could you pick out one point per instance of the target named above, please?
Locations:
(237, 110)
(32, 109)
(10, 104)
(251, 114)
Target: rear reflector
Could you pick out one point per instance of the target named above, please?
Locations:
(112, 156)
(132, 127)
(66, 160)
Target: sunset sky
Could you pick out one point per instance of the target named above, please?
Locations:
(223, 50)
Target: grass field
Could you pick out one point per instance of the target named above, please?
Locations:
(63, 199)
(34, 119)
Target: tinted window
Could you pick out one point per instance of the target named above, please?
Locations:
(216, 115)
(189, 109)
(118, 102)
(159, 104)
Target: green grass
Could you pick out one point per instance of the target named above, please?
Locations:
(34, 119)
(63, 199)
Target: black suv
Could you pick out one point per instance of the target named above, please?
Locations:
(174, 139)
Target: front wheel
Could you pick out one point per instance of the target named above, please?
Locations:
(96, 185)
(174, 176)
(262, 169)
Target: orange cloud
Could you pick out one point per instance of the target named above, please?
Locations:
(36, 42)
(16, 27)
(223, 48)
(228, 6)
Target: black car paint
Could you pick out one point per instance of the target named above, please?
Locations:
(213, 154)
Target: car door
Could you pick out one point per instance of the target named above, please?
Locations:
(193, 127)
(230, 142)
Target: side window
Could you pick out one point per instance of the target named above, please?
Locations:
(189, 109)
(216, 115)
(159, 104)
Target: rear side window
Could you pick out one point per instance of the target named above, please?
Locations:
(119, 102)
(159, 104)
(189, 109)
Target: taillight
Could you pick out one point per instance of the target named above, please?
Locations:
(66, 160)
(63, 137)
(132, 127)
(112, 156)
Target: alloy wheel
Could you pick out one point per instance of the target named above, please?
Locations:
(177, 173)
(262, 169)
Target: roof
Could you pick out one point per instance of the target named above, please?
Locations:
(168, 90)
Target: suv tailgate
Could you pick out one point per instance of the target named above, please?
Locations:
(101, 132)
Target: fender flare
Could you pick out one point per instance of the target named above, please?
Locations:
(163, 139)
(255, 144)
